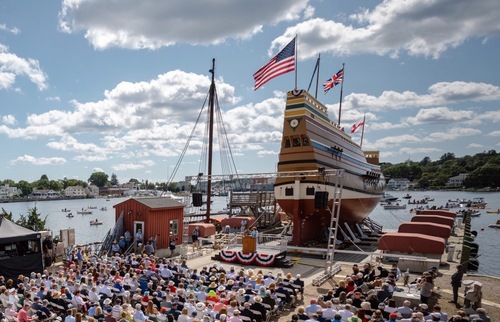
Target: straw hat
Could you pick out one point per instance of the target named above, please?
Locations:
(200, 306)
(257, 299)
(212, 285)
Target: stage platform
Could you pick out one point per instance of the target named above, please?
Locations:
(268, 252)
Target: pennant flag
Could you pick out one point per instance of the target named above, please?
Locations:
(280, 64)
(333, 81)
(356, 126)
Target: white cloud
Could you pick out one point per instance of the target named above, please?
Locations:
(145, 24)
(442, 93)
(38, 161)
(133, 166)
(451, 134)
(475, 146)
(418, 28)
(494, 133)
(9, 119)
(441, 115)
(12, 66)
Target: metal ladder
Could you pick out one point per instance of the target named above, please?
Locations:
(330, 268)
(185, 238)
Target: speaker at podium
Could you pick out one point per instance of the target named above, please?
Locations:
(249, 244)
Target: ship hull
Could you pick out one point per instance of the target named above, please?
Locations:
(311, 141)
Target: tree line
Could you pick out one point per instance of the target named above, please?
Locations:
(482, 169)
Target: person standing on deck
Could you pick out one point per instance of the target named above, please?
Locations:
(456, 282)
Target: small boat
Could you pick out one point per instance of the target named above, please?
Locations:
(92, 207)
(70, 215)
(104, 208)
(417, 202)
(493, 211)
(407, 196)
(95, 222)
(388, 198)
(394, 206)
(473, 213)
(495, 225)
(84, 212)
(427, 198)
(65, 210)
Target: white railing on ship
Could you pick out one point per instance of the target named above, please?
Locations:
(265, 241)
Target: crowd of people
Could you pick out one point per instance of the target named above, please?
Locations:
(140, 288)
(145, 288)
(366, 295)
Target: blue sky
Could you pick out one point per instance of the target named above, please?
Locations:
(115, 86)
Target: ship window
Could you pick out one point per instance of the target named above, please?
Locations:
(287, 143)
(289, 191)
(310, 191)
(305, 140)
(296, 141)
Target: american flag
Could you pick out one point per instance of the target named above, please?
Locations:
(280, 64)
(334, 80)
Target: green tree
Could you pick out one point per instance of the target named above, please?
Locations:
(56, 185)
(114, 180)
(32, 220)
(99, 179)
(25, 187)
(5, 214)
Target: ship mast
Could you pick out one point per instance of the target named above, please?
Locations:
(211, 103)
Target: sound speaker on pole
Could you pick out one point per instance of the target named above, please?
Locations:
(197, 199)
(321, 199)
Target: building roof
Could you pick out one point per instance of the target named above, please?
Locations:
(159, 202)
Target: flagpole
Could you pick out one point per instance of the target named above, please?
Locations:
(363, 131)
(341, 91)
(317, 76)
(296, 58)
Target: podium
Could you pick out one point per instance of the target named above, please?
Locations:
(249, 244)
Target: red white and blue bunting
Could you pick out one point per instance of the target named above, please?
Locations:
(247, 258)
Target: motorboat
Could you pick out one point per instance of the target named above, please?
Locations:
(95, 222)
(394, 206)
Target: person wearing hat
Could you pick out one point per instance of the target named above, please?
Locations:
(139, 315)
(246, 311)
(257, 306)
(354, 318)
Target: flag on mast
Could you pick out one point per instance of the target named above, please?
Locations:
(356, 126)
(333, 81)
(282, 63)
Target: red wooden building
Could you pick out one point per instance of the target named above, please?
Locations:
(157, 216)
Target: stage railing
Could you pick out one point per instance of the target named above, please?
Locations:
(264, 242)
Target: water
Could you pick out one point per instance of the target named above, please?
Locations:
(487, 238)
(56, 219)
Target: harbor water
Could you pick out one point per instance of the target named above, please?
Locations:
(487, 238)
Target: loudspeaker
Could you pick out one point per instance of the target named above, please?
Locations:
(197, 199)
(321, 199)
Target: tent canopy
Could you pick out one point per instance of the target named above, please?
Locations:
(11, 232)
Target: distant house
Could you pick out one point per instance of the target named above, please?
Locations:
(44, 194)
(8, 192)
(75, 192)
(93, 190)
(398, 184)
(456, 181)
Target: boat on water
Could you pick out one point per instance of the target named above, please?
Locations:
(311, 141)
(84, 212)
(65, 210)
(95, 222)
(477, 202)
(394, 206)
(388, 198)
(407, 196)
(70, 215)
(473, 213)
(418, 202)
(104, 208)
(495, 225)
(493, 211)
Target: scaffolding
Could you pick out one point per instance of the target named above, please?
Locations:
(330, 267)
